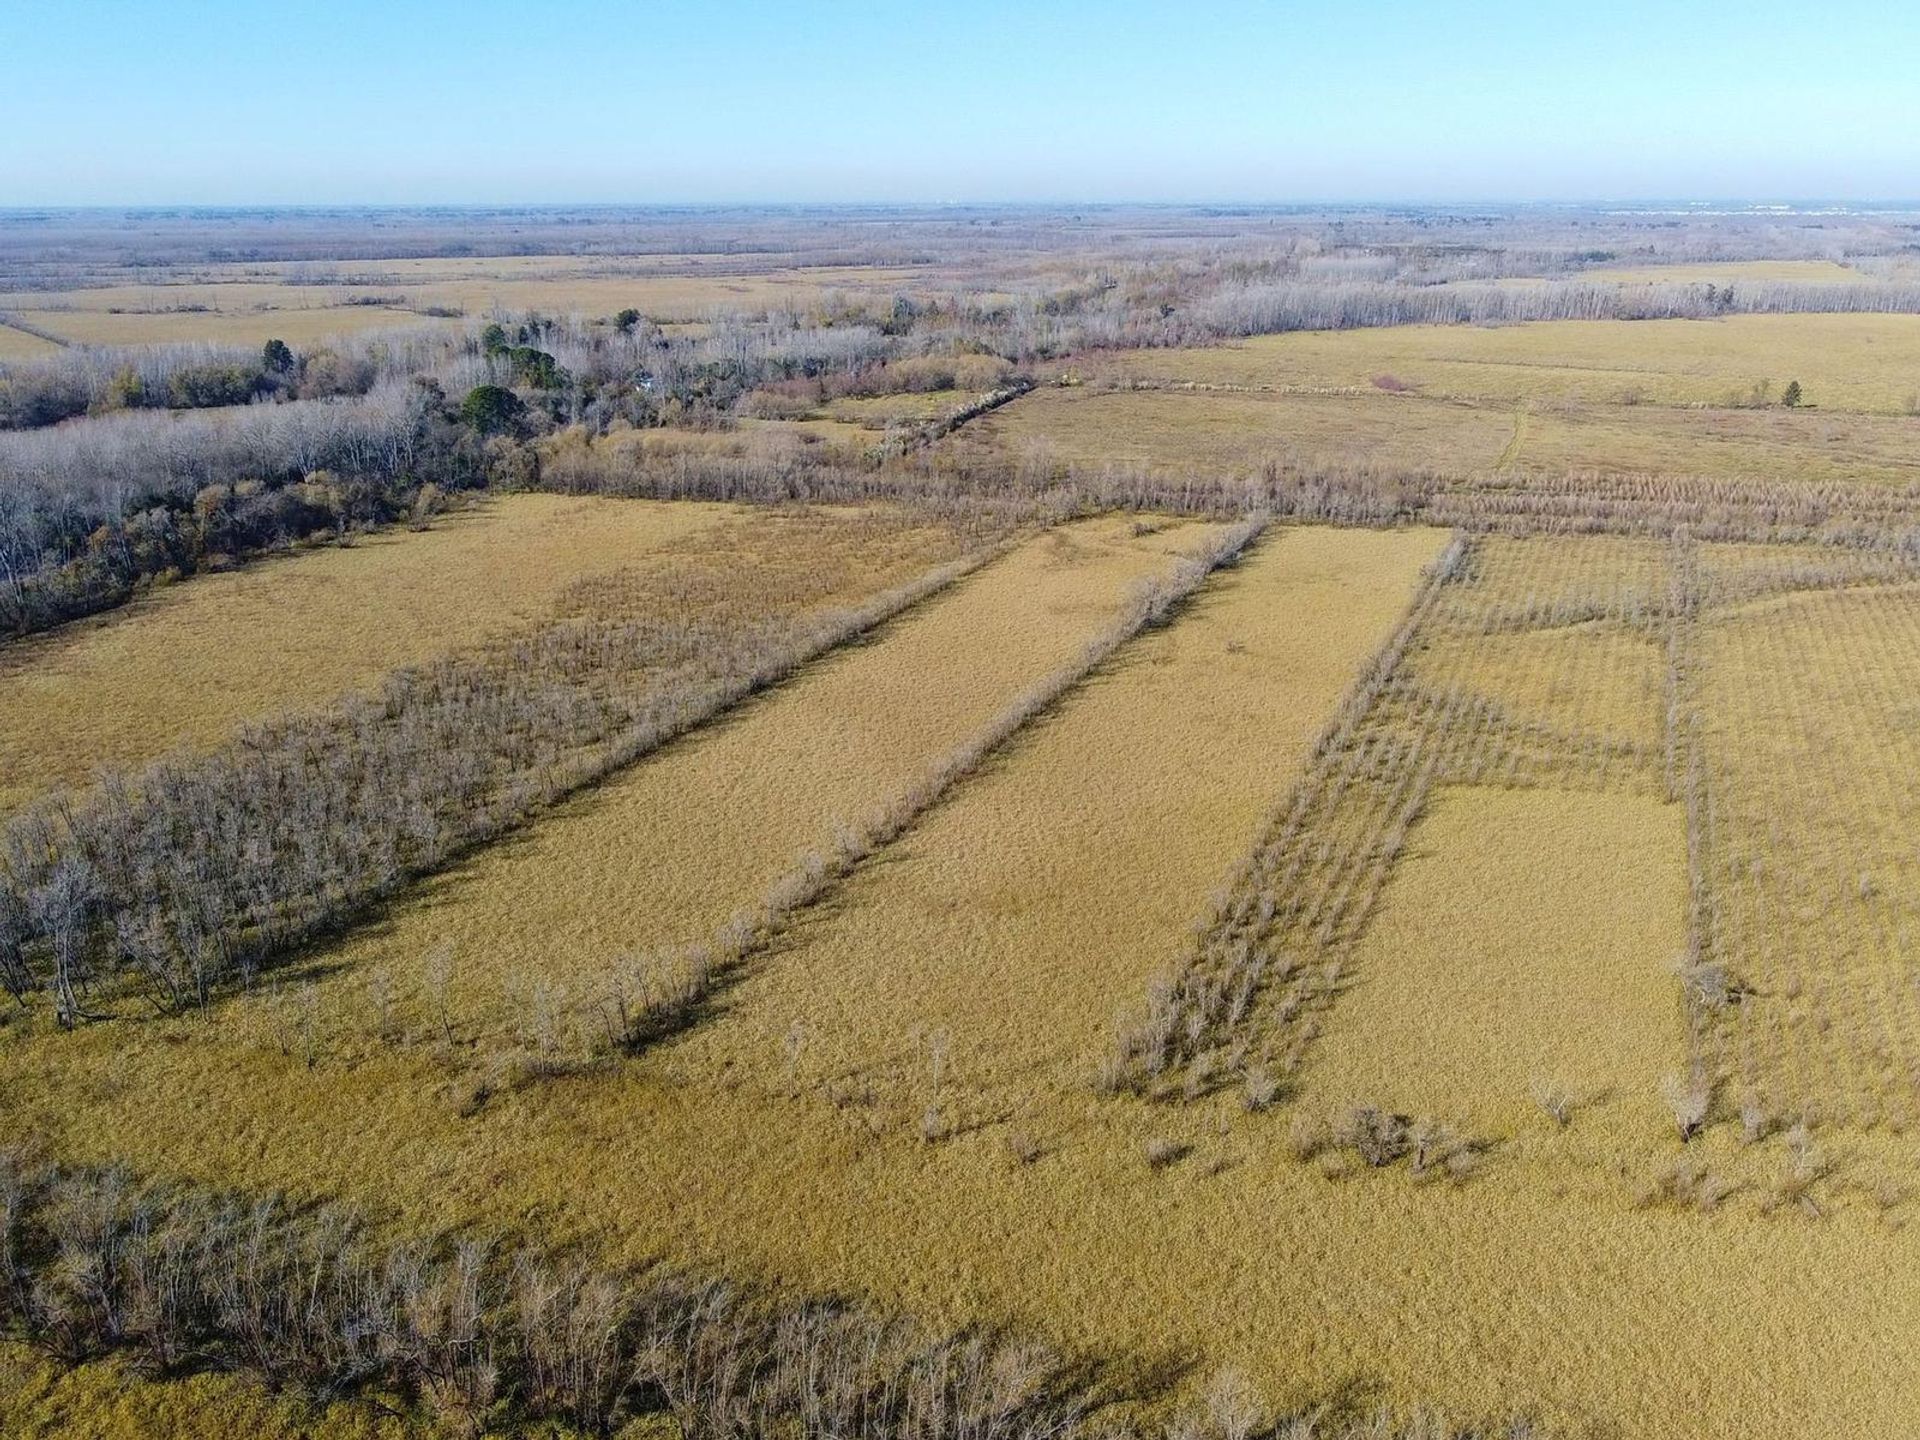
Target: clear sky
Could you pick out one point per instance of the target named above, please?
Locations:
(349, 101)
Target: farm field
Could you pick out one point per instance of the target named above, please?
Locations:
(249, 309)
(184, 666)
(18, 344)
(1237, 432)
(1702, 272)
(219, 327)
(1865, 363)
(964, 829)
(734, 807)
(859, 1112)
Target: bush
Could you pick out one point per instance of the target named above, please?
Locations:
(491, 409)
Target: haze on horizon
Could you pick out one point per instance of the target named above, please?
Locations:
(732, 101)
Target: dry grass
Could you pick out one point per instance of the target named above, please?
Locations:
(973, 973)
(20, 345)
(877, 412)
(247, 304)
(1237, 432)
(219, 327)
(726, 813)
(185, 666)
(1725, 272)
(1845, 362)
(1809, 749)
(1527, 934)
(1800, 447)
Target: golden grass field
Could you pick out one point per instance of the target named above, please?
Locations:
(1594, 773)
(1867, 363)
(1497, 960)
(1808, 763)
(964, 985)
(215, 327)
(22, 345)
(184, 665)
(1237, 432)
(735, 805)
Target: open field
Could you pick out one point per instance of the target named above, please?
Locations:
(1232, 433)
(1497, 964)
(185, 666)
(16, 344)
(249, 309)
(218, 327)
(1238, 432)
(860, 1112)
(1723, 272)
(977, 799)
(734, 807)
(1868, 363)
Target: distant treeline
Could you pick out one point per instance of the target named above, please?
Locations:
(278, 445)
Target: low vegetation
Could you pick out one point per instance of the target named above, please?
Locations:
(199, 869)
(1262, 793)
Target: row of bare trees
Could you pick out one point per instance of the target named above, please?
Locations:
(463, 1337)
(477, 1338)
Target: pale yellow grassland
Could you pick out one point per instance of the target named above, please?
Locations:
(19, 345)
(1017, 929)
(1528, 936)
(1599, 680)
(846, 434)
(1236, 433)
(665, 297)
(666, 852)
(1017, 919)
(1843, 362)
(1724, 272)
(782, 1137)
(230, 297)
(187, 663)
(247, 308)
(1813, 737)
(1152, 783)
(1788, 445)
(876, 412)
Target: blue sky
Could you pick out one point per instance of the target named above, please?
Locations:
(426, 102)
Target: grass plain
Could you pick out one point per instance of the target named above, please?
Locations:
(1865, 363)
(971, 975)
(1605, 818)
(1549, 923)
(310, 303)
(1237, 432)
(184, 665)
(728, 810)
(17, 344)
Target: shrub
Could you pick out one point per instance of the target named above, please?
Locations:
(491, 409)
